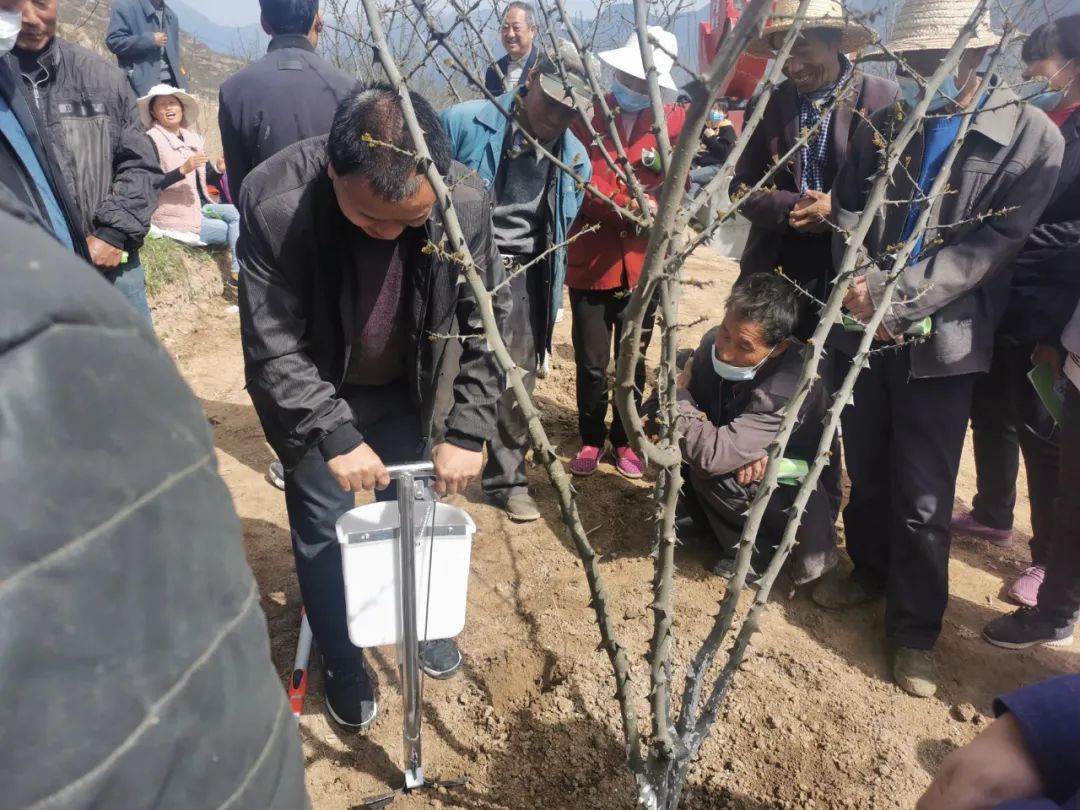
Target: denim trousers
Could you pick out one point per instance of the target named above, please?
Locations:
(221, 226)
(130, 281)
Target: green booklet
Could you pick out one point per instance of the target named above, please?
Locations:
(1050, 393)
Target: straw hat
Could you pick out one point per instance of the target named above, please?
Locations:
(933, 25)
(819, 14)
(190, 105)
(628, 57)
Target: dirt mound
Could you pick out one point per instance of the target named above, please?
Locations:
(813, 720)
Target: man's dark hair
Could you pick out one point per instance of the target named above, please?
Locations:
(766, 299)
(289, 16)
(1057, 36)
(369, 136)
(530, 12)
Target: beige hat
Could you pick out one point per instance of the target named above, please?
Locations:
(190, 105)
(933, 25)
(628, 57)
(819, 14)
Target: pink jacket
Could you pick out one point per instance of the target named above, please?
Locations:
(179, 208)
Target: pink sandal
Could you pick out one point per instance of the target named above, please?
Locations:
(587, 460)
(628, 463)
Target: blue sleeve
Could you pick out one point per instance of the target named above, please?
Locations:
(1049, 716)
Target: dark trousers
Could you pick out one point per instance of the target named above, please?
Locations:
(719, 504)
(902, 442)
(597, 318)
(525, 332)
(391, 426)
(1007, 418)
(1059, 597)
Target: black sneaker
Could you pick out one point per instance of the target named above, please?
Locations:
(350, 692)
(1025, 628)
(440, 659)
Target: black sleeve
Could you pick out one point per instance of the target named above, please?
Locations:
(480, 382)
(170, 179)
(123, 218)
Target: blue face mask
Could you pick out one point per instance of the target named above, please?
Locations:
(736, 373)
(1048, 100)
(910, 90)
(629, 100)
(715, 117)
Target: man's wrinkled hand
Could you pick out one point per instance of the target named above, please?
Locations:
(359, 470)
(749, 473)
(455, 467)
(102, 254)
(812, 212)
(858, 301)
(996, 767)
(683, 380)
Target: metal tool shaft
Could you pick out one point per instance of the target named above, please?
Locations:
(406, 475)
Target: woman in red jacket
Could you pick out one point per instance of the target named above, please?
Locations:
(604, 265)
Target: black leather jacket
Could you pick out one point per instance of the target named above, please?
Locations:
(297, 300)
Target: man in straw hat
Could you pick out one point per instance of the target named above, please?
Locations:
(536, 204)
(904, 437)
(789, 227)
(108, 163)
(789, 221)
(604, 265)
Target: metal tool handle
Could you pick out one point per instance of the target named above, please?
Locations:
(415, 469)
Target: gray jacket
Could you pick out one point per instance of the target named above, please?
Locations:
(131, 38)
(726, 425)
(130, 621)
(1000, 182)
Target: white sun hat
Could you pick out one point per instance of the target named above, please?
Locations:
(628, 57)
(933, 25)
(819, 14)
(188, 102)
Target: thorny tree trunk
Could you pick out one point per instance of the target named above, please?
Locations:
(660, 773)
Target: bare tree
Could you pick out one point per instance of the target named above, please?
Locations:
(449, 35)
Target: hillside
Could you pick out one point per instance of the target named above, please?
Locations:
(85, 22)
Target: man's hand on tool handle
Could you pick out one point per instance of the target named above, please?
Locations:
(359, 470)
(455, 467)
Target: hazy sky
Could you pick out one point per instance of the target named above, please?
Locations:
(232, 12)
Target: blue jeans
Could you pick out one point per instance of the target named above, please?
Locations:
(130, 281)
(223, 228)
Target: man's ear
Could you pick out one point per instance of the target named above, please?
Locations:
(319, 23)
(266, 27)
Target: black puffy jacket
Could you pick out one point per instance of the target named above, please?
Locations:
(132, 643)
(93, 123)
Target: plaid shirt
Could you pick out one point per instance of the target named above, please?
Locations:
(815, 152)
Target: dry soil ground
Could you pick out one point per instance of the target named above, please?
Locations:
(813, 719)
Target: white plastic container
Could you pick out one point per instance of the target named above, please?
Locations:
(369, 538)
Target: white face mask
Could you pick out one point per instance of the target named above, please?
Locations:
(10, 27)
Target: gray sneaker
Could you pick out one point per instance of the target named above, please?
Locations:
(276, 475)
(914, 672)
(440, 659)
(522, 508)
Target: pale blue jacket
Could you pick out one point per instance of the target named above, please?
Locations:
(477, 130)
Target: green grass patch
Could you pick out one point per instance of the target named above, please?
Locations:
(163, 261)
